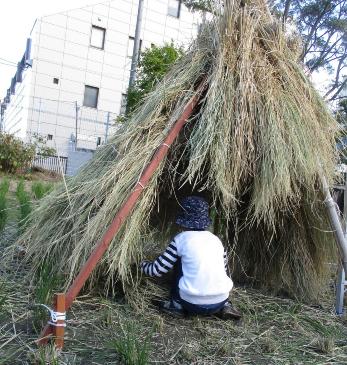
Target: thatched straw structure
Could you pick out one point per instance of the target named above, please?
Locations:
(253, 148)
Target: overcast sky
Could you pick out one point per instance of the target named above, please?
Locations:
(16, 20)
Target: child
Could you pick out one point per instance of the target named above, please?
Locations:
(201, 284)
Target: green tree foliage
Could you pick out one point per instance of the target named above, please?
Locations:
(203, 5)
(153, 64)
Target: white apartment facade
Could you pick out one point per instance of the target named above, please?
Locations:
(73, 77)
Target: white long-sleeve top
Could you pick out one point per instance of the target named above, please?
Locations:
(205, 279)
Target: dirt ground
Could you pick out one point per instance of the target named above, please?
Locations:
(116, 331)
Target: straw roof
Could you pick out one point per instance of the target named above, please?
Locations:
(253, 147)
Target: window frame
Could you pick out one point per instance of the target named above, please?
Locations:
(97, 96)
(103, 38)
(133, 41)
(177, 16)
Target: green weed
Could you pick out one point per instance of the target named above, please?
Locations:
(4, 186)
(25, 203)
(46, 284)
(3, 296)
(132, 350)
(40, 189)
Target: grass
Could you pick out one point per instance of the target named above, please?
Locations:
(24, 200)
(274, 331)
(39, 189)
(133, 347)
(4, 186)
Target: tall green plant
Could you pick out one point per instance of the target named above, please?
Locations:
(24, 203)
(132, 350)
(4, 186)
(40, 190)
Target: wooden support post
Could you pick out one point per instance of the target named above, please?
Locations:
(59, 329)
(126, 209)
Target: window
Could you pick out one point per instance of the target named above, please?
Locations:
(49, 137)
(123, 104)
(91, 95)
(55, 81)
(97, 38)
(131, 47)
(174, 8)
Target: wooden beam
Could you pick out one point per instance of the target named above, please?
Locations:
(126, 209)
(59, 330)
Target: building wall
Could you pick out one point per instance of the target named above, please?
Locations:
(61, 50)
(16, 114)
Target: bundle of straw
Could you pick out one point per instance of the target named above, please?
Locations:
(254, 147)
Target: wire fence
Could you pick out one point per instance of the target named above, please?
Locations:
(61, 123)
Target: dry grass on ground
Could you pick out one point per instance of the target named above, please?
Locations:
(273, 331)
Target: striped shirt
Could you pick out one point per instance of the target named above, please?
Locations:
(166, 261)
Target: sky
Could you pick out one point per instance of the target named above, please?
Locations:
(16, 21)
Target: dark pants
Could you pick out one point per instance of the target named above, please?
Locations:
(190, 307)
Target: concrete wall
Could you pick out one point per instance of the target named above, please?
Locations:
(76, 159)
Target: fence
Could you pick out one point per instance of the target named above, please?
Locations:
(61, 122)
(52, 163)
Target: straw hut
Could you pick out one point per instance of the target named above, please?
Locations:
(253, 147)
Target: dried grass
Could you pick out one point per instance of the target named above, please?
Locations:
(252, 148)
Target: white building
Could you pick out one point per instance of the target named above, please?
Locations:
(74, 74)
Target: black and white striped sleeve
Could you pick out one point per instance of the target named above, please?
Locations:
(226, 261)
(163, 263)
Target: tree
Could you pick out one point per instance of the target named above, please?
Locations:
(204, 5)
(341, 112)
(153, 65)
(323, 27)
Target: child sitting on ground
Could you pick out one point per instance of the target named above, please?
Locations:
(201, 283)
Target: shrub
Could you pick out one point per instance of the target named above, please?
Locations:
(24, 202)
(17, 155)
(14, 153)
(40, 143)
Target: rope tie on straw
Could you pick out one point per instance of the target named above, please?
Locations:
(141, 184)
(55, 316)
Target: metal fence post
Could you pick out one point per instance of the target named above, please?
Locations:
(341, 276)
(76, 122)
(107, 126)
